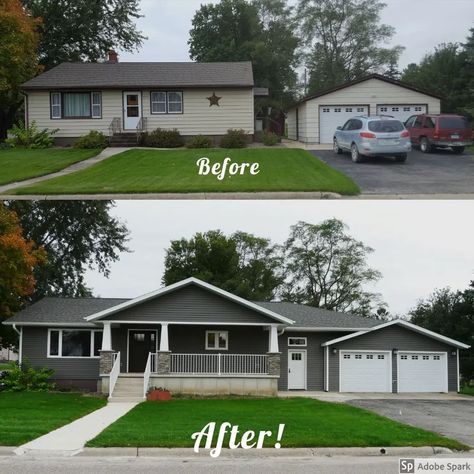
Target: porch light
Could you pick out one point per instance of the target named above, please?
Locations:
(334, 350)
(453, 353)
(395, 351)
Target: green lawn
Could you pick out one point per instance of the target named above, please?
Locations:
(4, 366)
(28, 415)
(161, 171)
(18, 164)
(308, 422)
(467, 390)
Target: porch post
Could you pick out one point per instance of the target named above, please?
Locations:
(273, 351)
(106, 353)
(164, 345)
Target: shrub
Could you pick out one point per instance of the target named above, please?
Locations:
(270, 138)
(23, 377)
(30, 137)
(199, 141)
(161, 138)
(234, 139)
(94, 139)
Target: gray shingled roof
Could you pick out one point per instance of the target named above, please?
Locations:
(307, 316)
(74, 310)
(64, 310)
(144, 75)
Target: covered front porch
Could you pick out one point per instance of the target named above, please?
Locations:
(201, 359)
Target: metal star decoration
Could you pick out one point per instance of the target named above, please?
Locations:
(214, 100)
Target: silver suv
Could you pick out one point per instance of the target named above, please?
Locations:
(378, 135)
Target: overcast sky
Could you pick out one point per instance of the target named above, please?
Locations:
(419, 245)
(420, 24)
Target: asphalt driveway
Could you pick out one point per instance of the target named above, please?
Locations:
(441, 172)
(451, 418)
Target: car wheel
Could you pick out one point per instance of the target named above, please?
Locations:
(336, 148)
(401, 158)
(458, 149)
(355, 155)
(425, 145)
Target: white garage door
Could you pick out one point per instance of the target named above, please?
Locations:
(422, 372)
(365, 371)
(401, 112)
(331, 117)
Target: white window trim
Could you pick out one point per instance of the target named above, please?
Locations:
(165, 102)
(298, 345)
(60, 105)
(226, 348)
(96, 104)
(168, 102)
(60, 344)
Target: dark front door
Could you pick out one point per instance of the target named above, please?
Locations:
(140, 344)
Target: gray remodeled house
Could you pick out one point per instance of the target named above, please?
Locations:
(192, 337)
(125, 99)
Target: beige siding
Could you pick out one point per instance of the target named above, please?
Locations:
(302, 121)
(291, 124)
(372, 93)
(235, 111)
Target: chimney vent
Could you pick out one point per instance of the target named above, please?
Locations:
(113, 57)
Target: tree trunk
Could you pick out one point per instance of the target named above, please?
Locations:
(7, 118)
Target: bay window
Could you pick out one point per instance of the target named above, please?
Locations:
(74, 343)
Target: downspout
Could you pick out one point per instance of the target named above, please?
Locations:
(26, 118)
(326, 369)
(20, 343)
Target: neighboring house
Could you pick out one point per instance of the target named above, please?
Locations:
(124, 99)
(192, 337)
(315, 118)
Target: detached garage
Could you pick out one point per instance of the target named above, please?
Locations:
(315, 118)
(392, 357)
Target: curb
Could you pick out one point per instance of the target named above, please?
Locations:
(311, 195)
(266, 452)
(7, 450)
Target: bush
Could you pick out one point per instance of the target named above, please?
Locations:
(24, 378)
(161, 138)
(30, 137)
(93, 139)
(199, 141)
(270, 138)
(234, 139)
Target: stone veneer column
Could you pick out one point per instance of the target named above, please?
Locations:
(106, 362)
(164, 362)
(273, 363)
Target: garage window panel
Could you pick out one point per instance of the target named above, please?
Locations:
(436, 357)
(426, 357)
(347, 356)
(381, 356)
(414, 357)
(369, 356)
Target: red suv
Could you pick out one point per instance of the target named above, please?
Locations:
(430, 131)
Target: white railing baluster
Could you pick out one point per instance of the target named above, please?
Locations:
(114, 373)
(146, 375)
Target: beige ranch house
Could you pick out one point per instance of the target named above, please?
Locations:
(315, 118)
(125, 99)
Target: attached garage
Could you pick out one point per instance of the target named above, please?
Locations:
(422, 372)
(315, 118)
(365, 371)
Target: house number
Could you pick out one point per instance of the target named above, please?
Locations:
(226, 167)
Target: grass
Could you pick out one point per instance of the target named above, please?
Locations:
(5, 366)
(18, 164)
(308, 422)
(28, 415)
(175, 171)
(467, 390)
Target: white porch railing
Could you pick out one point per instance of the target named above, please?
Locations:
(219, 364)
(114, 373)
(146, 375)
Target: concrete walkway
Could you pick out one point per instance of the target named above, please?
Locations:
(81, 165)
(71, 439)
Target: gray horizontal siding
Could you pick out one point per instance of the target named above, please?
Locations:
(191, 304)
(314, 357)
(387, 339)
(35, 341)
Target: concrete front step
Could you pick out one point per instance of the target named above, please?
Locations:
(115, 399)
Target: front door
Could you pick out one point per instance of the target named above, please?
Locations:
(132, 111)
(296, 370)
(140, 344)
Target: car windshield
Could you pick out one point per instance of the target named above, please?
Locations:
(453, 122)
(385, 126)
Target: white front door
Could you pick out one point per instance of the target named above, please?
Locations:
(333, 116)
(422, 372)
(296, 370)
(401, 112)
(365, 371)
(132, 110)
